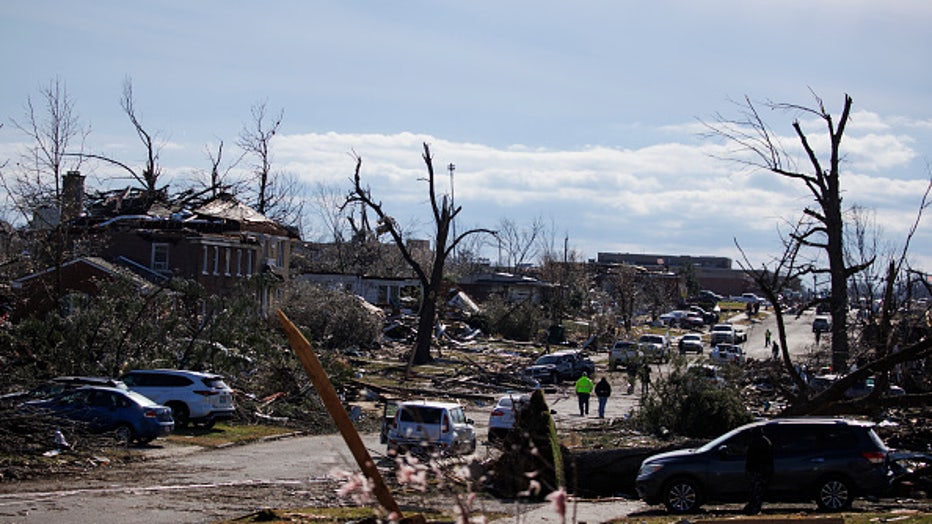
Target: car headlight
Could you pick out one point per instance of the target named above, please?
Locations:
(649, 469)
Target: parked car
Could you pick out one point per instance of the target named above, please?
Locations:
(821, 323)
(655, 347)
(561, 365)
(502, 417)
(424, 426)
(194, 397)
(693, 320)
(624, 353)
(708, 372)
(728, 333)
(722, 333)
(130, 416)
(56, 385)
(690, 342)
(673, 318)
(831, 461)
(710, 316)
(859, 389)
(725, 353)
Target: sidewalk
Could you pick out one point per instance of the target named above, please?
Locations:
(586, 512)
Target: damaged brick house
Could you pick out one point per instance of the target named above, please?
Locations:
(219, 243)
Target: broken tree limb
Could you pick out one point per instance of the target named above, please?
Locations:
(332, 401)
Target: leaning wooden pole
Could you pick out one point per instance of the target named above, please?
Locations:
(332, 401)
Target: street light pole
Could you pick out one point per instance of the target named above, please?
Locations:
(452, 167)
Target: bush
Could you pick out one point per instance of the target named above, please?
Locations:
(688, 404)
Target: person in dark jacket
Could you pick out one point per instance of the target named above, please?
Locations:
(758, 466)
(602, 391)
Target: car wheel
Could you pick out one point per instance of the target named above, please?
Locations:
(123, 435)
(179, 413)
(681, 496)
(834, 494)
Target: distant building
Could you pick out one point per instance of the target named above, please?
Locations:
(713, 273)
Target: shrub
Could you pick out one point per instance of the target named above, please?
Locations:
(687, 403)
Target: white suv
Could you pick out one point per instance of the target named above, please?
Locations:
(425, 426)
(200, 398)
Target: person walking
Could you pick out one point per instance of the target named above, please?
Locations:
(632, 376)
(602, 391)
(775, 350)
(583, 388)
(767, 338)
(644, 372)
(758, 466)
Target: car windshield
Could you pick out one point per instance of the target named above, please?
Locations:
(547, 359)
(719, 440)
(656, 339)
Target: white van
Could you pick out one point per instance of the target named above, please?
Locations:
(424, 426)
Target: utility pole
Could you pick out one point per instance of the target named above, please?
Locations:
(452, 167)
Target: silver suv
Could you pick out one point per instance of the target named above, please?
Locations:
(199, 398)
(427, 426)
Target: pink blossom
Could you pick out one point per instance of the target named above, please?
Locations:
(558, 499)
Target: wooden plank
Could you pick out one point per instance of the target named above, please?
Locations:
(335, 407)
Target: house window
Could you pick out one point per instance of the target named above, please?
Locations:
(239, 262)
(160, 257)
(229, 256)
(204, 267)
(280, 254)
(249, 263)
(216, 260)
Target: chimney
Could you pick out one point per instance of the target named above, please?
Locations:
(72, 196)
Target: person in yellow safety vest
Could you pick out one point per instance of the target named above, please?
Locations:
(583, 389)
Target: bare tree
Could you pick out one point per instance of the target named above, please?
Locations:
(148, 176)
(430, 275)
(277, 195)
(56, 135)
(328, 202)
(625, 287)
(218, 180)
(36, 188)
(519, 244)
(823, 180)
(851, 255)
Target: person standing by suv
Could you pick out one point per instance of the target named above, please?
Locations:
(583, 390)
(758, 466)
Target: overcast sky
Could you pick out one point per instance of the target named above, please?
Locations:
(585, 114)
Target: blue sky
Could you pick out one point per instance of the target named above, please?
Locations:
(584, 114)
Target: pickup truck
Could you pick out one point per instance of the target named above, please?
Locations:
(623, 354)
(654, 346)
(561, 365)
(727, 333)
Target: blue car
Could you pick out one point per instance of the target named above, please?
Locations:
(130, 416)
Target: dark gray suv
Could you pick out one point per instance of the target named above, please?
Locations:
(831, 461)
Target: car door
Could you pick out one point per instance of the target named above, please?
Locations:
(798, 458)
(726, 479)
